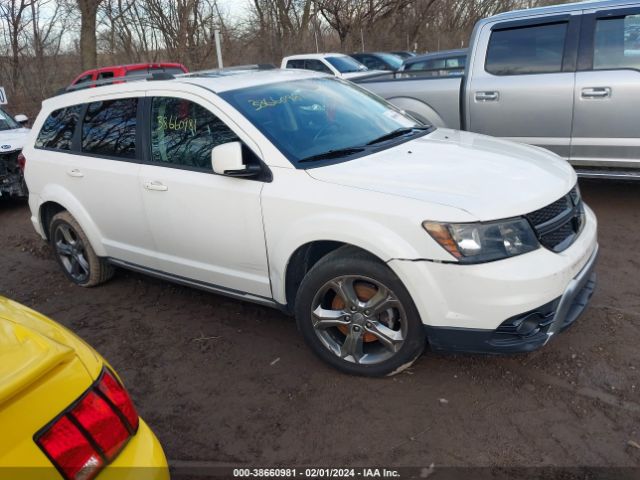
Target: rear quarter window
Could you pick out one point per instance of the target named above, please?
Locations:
(58, 129)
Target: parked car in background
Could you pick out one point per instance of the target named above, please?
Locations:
(379, 60)
(437, 64)
(374, 230)
(337, 64)
(403, 54)
(12, 137)
(136, 69)
(566, 78)
(64, 412)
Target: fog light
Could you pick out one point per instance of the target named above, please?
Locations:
(529, 326)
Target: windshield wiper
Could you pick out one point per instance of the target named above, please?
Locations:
(337, 153)
(399, 132)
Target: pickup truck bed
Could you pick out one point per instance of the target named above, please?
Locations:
(565, 78)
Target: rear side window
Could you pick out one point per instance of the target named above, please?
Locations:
(295, 64)
(527, 50)
(58, 129)
(109, 128)
(183, 133)
(86, 78)
(617, 43)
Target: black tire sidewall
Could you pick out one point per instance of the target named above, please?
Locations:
(366, 266)
(65, 218)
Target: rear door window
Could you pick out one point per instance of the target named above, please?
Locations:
(58, 129)
(617, 43)
(527, 50)
(109, 128)
(105, 75)
(183, 133)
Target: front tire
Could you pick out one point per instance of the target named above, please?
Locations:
(356, 315)
(74, 253)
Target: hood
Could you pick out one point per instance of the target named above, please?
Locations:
(489, 178)
(11, 140)
(33, 345)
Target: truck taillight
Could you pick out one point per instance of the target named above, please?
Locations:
(22, 161)
(92, 431)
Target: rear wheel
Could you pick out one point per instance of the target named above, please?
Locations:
(75, 254)
(356, 315)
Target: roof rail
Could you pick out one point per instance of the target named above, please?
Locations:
(156, 76)
(218, 72)
(153, 76)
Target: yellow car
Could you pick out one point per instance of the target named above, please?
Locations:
(63, 411)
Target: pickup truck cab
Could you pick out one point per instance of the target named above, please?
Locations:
(337, 64)
(304, 192)
(566, 78)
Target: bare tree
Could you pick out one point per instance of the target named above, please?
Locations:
(88, 42)
(13, 14)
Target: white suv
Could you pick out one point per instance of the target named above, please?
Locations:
(307, 193)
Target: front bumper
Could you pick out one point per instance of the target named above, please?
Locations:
(458, 301)
(528, 331)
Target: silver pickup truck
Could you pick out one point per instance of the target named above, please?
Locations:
(566, 78)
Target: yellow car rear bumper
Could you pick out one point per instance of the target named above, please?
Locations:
(142, 459)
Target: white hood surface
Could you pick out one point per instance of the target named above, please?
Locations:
(489, 178)
(11, 140)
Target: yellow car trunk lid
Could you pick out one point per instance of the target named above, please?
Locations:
(27, 355)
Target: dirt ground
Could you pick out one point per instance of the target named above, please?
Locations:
(228, 382)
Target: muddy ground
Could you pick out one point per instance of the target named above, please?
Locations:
(228, 382)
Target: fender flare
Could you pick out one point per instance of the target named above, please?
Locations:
(420, 110)
(61, 196)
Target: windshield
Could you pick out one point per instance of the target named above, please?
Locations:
(7, 122)
(346, 64)
(393, 60)
(317, 117)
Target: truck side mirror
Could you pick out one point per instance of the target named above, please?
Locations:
(227, 159)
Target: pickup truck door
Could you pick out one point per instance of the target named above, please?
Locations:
(521, 84)
(606, 125)
(207, 228)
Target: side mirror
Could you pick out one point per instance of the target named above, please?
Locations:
(21, 119)
(226, 159)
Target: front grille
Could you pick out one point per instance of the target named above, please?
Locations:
(557, 225)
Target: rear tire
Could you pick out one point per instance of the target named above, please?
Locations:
(75, 254)
(356, 315)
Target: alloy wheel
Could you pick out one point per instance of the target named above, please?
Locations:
(359, 319)
(72, 253)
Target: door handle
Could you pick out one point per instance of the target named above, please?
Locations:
(156, 186)
(596, 92)
(487, 96)
(75, 173)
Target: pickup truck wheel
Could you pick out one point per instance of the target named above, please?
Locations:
(75, 254)
(356, 315)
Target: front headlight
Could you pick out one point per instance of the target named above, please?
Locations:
(484, 242)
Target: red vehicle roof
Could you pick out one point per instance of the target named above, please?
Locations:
(121, 70)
